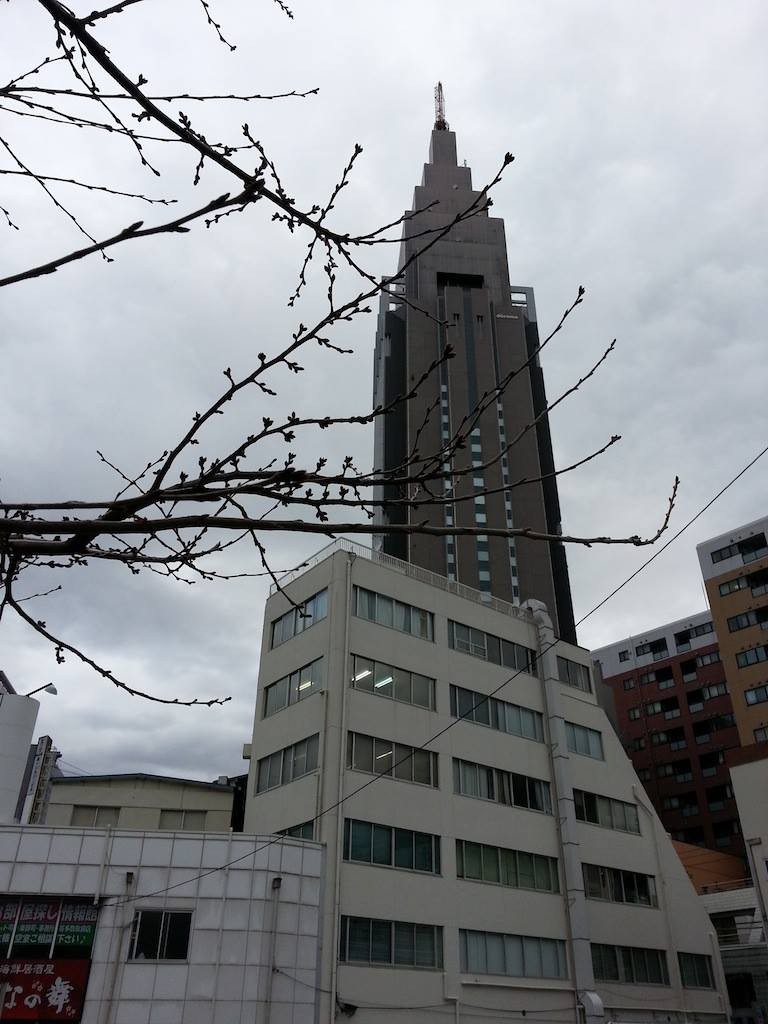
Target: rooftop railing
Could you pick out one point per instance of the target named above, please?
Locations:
(414, 572)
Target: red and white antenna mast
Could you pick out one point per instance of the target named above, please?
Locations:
(441, 124)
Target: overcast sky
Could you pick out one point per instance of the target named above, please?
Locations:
(641, 148)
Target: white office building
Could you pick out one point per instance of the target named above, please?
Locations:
(490, 851)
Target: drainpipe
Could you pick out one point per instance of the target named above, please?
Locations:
(340, 788)
(122, 919)
(589, 1004)
(270, 965)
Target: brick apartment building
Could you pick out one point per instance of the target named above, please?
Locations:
(676, 721)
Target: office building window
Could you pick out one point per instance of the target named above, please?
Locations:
(514, 868)
(306, 830)
(696, 970)
(496, 714)
(397, 760)
(572, 673)
(623, 655)
(160, 935)
(369, 843)
(287, 764)
(365, 940)
(605, 811)
(297, 620)
(509, 788)
(385, 611)
(293, 688)
(629, 964)
(94, 817)
(516, 956)
(186, 821)
(396, 683)
(618, 886)
(585, 741)
(492, 648)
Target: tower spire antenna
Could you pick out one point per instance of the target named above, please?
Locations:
(441, 124)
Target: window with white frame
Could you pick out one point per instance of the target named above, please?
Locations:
(516, 956)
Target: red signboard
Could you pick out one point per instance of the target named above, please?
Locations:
(43, 990)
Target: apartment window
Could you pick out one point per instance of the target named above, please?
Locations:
(160, 935)
(629, 684)
(572, 673)
(287, 764)
(680, 770)
(368, 843)
(724, 831)
(653, 707)
(496, 714)
(683, 639)
(761, 735)
(623, 655)
(297, 620)
(688, 668)
(94, 817)
(605, 811)
(491, 648)
(182, 820)
(674, 737)
(306, 830)
(702, 731)
(582, 740)
(647, 677)
(714, 690)
(617, 886)
(754, 617)
(396, 683)
(385, 611)
(731, 586)
(514, 868)
(510, 788)
(293, 688)
(696, 970)
(397, 760)
(708, 659)
(752, 657)
(632, 965)
(638, 743)
(709, 763)
(365, 940)
(516, 956)
(633, 714)
(718, 796)
(750, 549)
(657, 648)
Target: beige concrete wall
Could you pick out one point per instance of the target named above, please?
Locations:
(141, 801)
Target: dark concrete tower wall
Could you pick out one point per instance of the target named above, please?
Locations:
(458, 292)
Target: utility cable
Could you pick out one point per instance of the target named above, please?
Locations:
(485, 698)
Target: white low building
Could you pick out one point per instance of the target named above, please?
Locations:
(491, 852)
(126, 927)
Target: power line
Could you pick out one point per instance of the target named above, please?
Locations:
(674, 537)
(445, 729)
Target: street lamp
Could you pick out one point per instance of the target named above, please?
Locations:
(48, 687)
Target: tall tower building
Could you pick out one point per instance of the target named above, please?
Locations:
(458, 292)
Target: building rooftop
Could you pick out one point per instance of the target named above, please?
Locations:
(144, 776)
